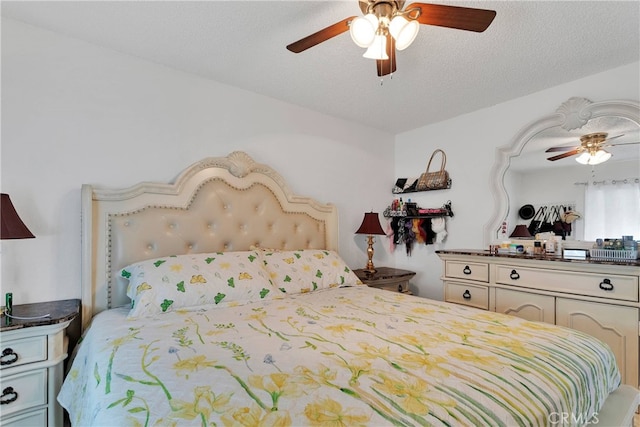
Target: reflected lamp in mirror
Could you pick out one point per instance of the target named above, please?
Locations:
(595, 158)
(12, 226)
(370, 226)
(521, 232)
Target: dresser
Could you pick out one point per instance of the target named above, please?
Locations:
(32, 354)
(600, 298)
(390, 279)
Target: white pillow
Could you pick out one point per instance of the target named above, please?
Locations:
(307, 270)
(192, 281)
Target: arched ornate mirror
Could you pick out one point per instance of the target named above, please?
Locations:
(521, 163)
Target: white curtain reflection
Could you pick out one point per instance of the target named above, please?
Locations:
(612, 209)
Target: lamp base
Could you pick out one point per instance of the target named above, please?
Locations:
(370, 267)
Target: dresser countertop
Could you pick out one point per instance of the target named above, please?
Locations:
(543, 257)
(59, 311)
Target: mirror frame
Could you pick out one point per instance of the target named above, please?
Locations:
(572, 114)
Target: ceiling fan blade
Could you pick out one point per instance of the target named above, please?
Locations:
(388, 66)
(321, 36)
(622, 143)
(563, 155)
(563, 148)
(613, 137)
(461, 18)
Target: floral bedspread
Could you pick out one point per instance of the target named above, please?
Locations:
(346, 356)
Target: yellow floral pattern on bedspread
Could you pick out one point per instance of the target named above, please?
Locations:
(337, 357)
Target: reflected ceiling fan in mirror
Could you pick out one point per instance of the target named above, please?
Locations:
(387, 27)
(591, 149)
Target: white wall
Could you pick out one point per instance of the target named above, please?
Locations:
(74, 113)
(470, 142)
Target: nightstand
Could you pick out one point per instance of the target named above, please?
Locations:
(32, 358)
(390, 279)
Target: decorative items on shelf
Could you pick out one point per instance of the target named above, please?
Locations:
(411, 224)
(437, 180)
(399, 208)
(427, 181)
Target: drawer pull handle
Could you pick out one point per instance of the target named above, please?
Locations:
(466, 294)
(4, 399)
(514, 275)
(466, 270)
(606, 285)
(8, 352)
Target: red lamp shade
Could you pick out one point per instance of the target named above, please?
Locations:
(371, 225)
(12, 226)
(521, 231)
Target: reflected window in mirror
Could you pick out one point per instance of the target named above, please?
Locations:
(612, 209)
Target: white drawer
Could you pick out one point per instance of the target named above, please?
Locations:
(610, 286)
(467, 270)
(395, 287)
(30, 419)
(22, 351)
(465, 294)
(23, 391)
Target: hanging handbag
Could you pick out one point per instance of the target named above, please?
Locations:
(536, 222)
(558, 224)
(547, 222)
(434, 180)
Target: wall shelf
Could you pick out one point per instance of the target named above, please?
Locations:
(445, 210)
(410, 190)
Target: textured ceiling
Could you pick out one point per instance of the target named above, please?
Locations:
(531, 45)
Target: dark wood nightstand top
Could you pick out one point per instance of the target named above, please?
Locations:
(383, 275)
(59, 311)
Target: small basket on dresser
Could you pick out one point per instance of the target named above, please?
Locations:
(614, 254)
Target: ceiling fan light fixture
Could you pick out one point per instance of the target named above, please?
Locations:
(363, 29)
(378, 49)
(598, 157)
(404, 31)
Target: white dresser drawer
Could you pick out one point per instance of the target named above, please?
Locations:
(572, 282)
(465, 294)
(30, 419)
(22, 351)
(23, 391)
(467, 270)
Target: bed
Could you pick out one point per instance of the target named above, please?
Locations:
(221, 299)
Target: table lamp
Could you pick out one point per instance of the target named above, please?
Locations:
(370, 226)
(521, 231)
(12, 226)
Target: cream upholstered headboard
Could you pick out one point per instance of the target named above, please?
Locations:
(218, 204)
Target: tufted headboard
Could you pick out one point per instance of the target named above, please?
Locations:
(218, 204)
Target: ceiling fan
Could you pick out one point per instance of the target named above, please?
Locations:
(387, 27)
(591, 148)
